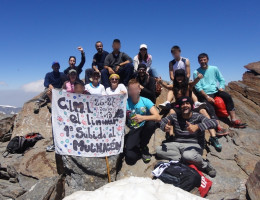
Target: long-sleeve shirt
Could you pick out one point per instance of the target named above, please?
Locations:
(147, 62)
(149, 88)
(54, 78)
(209, 83)
(113, 60)
(180, 127)
(79, 67)
(99, 59)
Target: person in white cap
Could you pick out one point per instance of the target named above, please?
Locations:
(143, 58)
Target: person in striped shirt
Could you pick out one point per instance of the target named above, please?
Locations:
(188, 141)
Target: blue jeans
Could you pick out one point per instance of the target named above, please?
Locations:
(126, 73)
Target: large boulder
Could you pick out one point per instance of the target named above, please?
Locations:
(253, 183)
(255, 67)
(6, 126)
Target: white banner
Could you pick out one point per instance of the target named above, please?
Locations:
(88, 125)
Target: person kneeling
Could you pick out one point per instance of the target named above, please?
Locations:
(141, 117)
(189, 129)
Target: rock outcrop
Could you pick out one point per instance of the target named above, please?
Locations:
(21, 175)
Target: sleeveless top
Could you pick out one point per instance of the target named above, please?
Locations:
(181, 64)
(69, 87)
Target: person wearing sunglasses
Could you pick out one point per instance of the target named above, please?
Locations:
(94, 87)
(115, 86)
(144, 58)
(147, 83)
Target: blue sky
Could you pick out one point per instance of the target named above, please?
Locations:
(34, 33)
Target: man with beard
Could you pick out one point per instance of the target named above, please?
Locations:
(147, 83)
(98, 61)
(72, 63)
(187, 144)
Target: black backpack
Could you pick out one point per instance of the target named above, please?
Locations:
(180, 175)
(19, 144)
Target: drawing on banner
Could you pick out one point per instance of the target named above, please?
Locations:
(88, 125)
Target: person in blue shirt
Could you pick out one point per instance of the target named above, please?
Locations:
(97, 63)
(211, 85)
(54, 79)
(141, 119)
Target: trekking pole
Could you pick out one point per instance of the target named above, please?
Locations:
(108, 170)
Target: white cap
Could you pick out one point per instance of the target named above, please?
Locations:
(143, 46)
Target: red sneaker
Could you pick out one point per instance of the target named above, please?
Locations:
(238, 124)
(221, 131)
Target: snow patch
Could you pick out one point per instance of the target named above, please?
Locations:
(136, 188)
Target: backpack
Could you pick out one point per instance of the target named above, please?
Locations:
(158, 88)
(205, 183)
(179, 175)
(220, 107)
(19, 144)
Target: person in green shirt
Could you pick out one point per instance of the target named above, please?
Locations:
(211, 85)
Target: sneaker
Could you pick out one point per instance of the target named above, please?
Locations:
(210, 170)
(215, 143)
(238, 124)
(198, 105)
(165, 106)
(146, 156)
(50, 148)
(221, 131)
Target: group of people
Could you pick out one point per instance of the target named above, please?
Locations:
(189, 105)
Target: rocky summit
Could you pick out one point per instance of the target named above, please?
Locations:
(40, 175)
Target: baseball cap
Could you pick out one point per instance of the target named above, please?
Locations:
(72, 71)
(143, 46)
(184, 100)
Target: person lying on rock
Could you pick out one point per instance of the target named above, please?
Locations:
(119, 63)
(147, 83)
(52, 80)
(115, 86)
(188, 143)
(141, 119)
(212, 85)
(72, 63)
(98, 61)
(183, 87)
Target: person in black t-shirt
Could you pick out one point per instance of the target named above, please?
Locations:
(97, 63)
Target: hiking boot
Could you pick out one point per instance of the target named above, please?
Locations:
(165, 106)
(238, 124)
(146, 156)
(50, 148)
(198, 105)
(221, 131)
(210, 170)
(215, 143)
(37, 108)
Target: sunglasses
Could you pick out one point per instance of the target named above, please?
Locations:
(141, 70)
(114, 79)
(142, 49)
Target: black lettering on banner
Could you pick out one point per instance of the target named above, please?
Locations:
(96, 148)
(60, 101)
(78, 105)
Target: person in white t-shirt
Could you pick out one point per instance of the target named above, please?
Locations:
(115, 86)
(95, 87)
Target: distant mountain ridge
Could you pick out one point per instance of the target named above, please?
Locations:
(9, 110)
